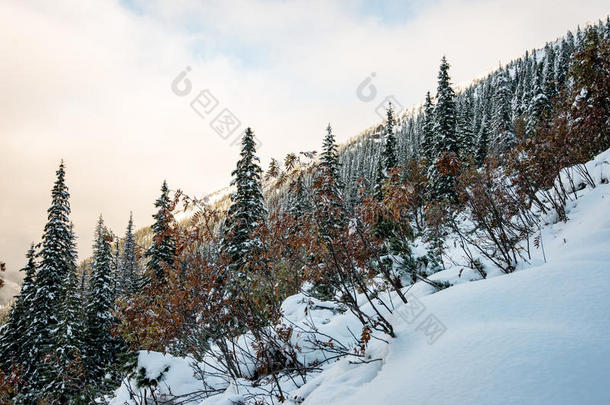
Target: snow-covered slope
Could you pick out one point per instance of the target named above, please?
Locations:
(537, 336)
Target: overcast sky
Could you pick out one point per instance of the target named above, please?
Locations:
(91, 82)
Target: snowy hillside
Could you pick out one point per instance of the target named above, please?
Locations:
(536, 336)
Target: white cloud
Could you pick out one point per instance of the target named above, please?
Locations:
(90, 82)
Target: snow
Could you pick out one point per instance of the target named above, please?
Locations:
(535, 336)
(179, 377)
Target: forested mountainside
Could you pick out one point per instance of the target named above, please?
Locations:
(489, 113)
(302, 284)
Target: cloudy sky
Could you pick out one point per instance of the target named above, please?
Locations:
(91, 82)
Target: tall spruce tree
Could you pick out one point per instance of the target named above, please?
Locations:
(427, 144)
(504, 137)
(162, 252)
(330, 188)
(482, 142)
(56, 262)
(129, 271)
(300, 202)
(464, 124)
(65, 376)
(98, 340)
(329, 159)
(329, 206)
(548, 74)
(561, 64)
(15, 335)
(247, 209)
(447, 146)
(445, 113)
(538, 103)
(388, 159)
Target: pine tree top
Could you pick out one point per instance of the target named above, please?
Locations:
(247, 209)
(329, 162)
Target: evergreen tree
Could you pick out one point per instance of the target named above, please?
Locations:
(388, 159)
(129, 271)
(579, 39)
(482, 142)
(330, 188)
(64, 376)
(274, 169)
(56, 262)
(116, 260)
(14, 334)
(428, 146)
(98, 340)
(329, 204)
(530, 69)
(516, 106)
(538, 103)
(570, 41)
(548, 75)
(247, 209)
(464, 124)
(447, 147)
(84, 282)
(300, 203)
(389, 153)
(561, 64)
(162, 252)
(590, 108)
(445, 113)
(504, 137)
(329, 161)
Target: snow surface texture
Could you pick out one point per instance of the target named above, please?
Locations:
(536, 336)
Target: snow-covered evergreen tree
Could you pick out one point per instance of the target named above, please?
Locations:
(442, 185)
(388, 158)
(445, 113)
(330, 189)
(300, 203)
(247, 209)
(329, 205)
(502, 123)
(561, 64)
(274, 169)
(162, 252)
(516, 106)
(64, 375)
(464, 124)
(56, 261)
(129, 271)
(98, 340)
(428, 146)
(482, 142)
(538, 103)
(15, 338)
(548, 73)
